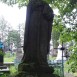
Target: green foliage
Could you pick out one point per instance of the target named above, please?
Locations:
(14, 37)
(73, 58)
(49, 1)
(66, 35)
(57, 71)
(55, 36)
(3, 75)
(63, 5)
(13, 71)
(56, 30)
(1, 53)
(22, 2)
(9, 2)
(8, 58)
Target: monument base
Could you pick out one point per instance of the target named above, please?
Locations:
(31, 70)
(42, 75)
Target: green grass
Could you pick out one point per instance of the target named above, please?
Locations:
(75, 74)
(51, 58)
(13, 70)
(66, 68)
(9, 58)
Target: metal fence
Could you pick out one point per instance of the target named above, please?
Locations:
(57, 64)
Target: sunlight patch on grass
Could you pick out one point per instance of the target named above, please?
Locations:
(75, 74)
(10, 59)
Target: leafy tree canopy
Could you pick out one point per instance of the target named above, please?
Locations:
(63, 5)
(14, 37)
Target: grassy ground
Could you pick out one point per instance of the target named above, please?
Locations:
(66, 67)
(75, 74)
(10, 58)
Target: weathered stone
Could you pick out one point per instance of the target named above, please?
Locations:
(37, 32)
(37, 40)
(19, 54)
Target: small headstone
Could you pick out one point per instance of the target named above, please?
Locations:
(19, 55)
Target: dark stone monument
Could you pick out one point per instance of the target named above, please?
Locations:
(37, 41)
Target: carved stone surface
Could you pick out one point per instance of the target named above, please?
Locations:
(19, 54)
(37, 40)
(37, 32)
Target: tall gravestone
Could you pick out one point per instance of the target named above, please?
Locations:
(37, 41)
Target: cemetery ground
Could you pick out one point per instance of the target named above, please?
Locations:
(67, 73)
(13, 70)
(9, 58)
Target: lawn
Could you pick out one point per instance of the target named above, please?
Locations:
(66, 67)
(8, 57)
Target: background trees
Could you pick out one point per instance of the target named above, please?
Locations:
(9, 36)
(3, 28)
(14, 37)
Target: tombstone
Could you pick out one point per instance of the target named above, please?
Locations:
(19, 55)
(59, 54)
(37, 41)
